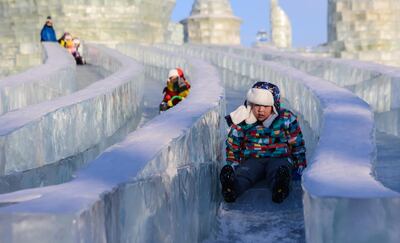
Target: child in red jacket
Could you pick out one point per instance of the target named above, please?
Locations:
(176, 90)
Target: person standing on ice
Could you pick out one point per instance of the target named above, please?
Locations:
(48, 33)
(264, 142)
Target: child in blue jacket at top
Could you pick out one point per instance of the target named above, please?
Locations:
(264, 142)
(48, 33)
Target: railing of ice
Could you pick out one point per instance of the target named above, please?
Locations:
(342, 200)
(45, 133)
(158, 185)
(55, 77)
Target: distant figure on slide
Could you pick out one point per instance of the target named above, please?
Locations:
(264, 142)
(62, 41)
(48, 33)
(176, 90)
(78, 58)
(67, 42)
(72, 45)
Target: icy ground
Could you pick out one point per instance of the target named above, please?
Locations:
(88, 74)
(254, 217)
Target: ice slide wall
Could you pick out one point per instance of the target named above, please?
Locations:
(342, 200)
(158, 185)
(55, 77)
(45, 133)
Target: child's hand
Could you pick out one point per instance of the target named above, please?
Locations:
(300, 170)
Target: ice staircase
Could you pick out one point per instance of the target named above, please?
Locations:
(159, 183)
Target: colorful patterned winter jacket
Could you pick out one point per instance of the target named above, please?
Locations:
(282, 139)
(48, 34)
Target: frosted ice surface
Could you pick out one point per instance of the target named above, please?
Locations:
(115, 98)
(88, 74)
(234, 98)
(152, 97)
(254, 218)
(388, 122)
(63, 170)
(54, 78)
(387, 167)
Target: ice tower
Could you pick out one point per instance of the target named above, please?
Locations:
(366, 30)
(281, 28)
(212, 22)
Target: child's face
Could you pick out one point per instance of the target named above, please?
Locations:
(68, 38)
(173, 79)
(261, 112)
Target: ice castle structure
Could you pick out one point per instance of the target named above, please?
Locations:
(366, 30)
(212, 22)
(281, 28)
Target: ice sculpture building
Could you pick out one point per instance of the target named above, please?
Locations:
(367, 30)
(281, 28)
(212, 22)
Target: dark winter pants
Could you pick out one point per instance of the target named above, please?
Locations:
(253, 170)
